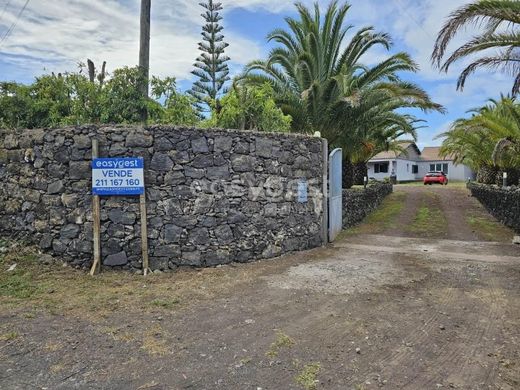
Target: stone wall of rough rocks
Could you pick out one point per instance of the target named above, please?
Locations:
(359, 203)
(214, 196)
(502, 203)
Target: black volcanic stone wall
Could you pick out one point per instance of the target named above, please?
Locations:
(214, 196)
(502, 203)
(359, 203)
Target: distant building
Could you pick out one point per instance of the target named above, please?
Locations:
(412, 164)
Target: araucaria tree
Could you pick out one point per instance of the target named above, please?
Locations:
(211, 67)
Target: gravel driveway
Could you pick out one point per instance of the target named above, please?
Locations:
(394, 306)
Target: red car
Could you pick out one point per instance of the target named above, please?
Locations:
(436, 178)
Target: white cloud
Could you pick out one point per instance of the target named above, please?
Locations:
(65, 32)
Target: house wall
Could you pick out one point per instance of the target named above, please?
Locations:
(214, 196)
(404, 170)
(379, 176)
(455, 172)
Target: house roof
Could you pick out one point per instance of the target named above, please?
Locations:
(432, 154)
(390, 154)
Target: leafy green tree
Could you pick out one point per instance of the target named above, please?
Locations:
(320, 80)
(122, 100)
(211, 66)
(499, 21)
(15, 106)
(178, 108)
(251, 108)
(73, 98)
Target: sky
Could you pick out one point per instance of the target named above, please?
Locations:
(54, 36)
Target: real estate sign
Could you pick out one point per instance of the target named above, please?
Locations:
(118, 176)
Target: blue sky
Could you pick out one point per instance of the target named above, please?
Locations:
(56, 35)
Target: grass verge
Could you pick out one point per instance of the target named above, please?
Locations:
(59, 289)
(488, 229)
(385, 217)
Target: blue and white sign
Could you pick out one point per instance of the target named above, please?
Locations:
(118, 176)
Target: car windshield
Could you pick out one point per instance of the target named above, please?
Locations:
(433, 175)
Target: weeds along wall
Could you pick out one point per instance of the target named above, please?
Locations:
(213, 196)
(359, 203)
(502, 203)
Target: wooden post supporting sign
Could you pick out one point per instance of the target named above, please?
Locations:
(144, 233)
(96, 215)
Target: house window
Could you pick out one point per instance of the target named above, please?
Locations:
(415, 169)
(439, 168)
(407, 167)
(381, 168)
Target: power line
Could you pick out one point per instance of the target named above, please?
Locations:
(7, 3)
(414, 19)
(13, 26)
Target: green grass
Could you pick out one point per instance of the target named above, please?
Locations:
(9, 336)
(488, 229)
(281, 341)
(430, 219)
(452, 183)
(307, 378)
(385, 217)
(165, 304)
(19, 282)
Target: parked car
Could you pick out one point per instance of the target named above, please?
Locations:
(436, 178)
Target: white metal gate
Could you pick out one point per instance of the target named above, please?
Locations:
(335, 194)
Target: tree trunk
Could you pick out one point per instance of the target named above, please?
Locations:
(91, 71)
(487, 175)
(360, 172)
(348, 173)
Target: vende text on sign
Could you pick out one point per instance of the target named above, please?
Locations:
(118, 176)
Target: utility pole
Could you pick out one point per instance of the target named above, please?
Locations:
(144, 51)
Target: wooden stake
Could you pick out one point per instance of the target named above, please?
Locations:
(96, 215)
(144, 234)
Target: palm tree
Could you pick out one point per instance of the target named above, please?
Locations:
(489, 141)
(319, 78)
(499, 21)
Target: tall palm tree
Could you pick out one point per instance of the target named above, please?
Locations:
(489, 141)
(319, 78)
(499, 21)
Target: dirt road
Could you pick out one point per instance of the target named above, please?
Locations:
(424, 295)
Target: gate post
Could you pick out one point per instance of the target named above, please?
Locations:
(335, 193)
(325, 205)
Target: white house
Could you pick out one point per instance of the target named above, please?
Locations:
(412, 164)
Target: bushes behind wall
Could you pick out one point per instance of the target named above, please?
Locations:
(502, 203)
(359, 203)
